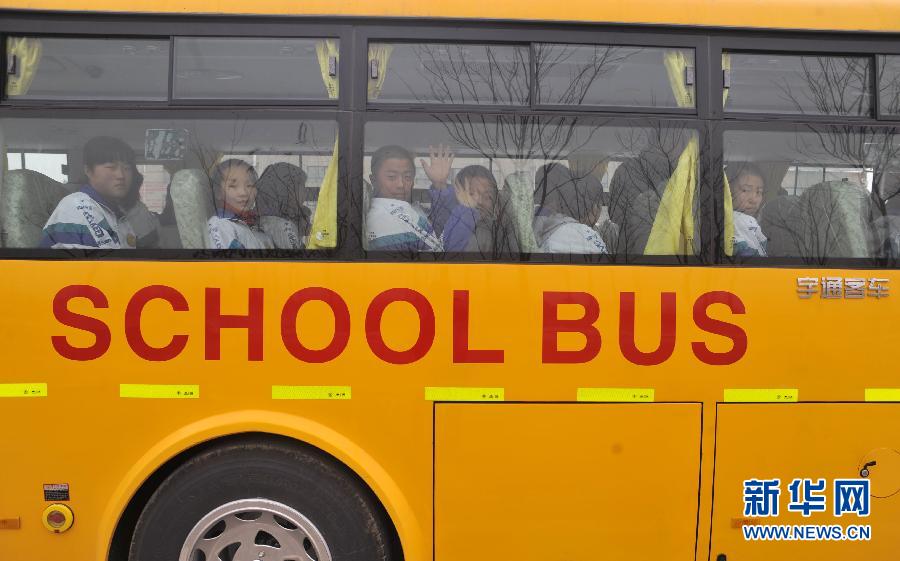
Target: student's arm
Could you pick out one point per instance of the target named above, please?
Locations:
(460, 228)
(443, 197)
(443, 203)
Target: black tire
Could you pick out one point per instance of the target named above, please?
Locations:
(346, 513)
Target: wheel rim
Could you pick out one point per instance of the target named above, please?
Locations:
(254, 530)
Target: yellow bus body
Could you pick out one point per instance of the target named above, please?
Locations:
(843, 15)
(681, 446)
(828, 350)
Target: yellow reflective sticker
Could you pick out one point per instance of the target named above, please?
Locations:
(464, 394)
(23, 390)
(616, 394)
(784, 395)
(310, 392)
(160, 391)
(882, 394)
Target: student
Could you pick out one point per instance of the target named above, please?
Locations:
(392, 222)
(747, 187)
(236, 223)
(93, 217)
(476, 218)
(567, 210)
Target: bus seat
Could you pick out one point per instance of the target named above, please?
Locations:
(836, 218)
(281, 192)
(638, 223)
(192, 201)
(887, 236)
(779, 223)
(284, 232)
(647, 172)
(27, 200)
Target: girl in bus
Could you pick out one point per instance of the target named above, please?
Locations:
(747, 187)
(236, 223)
(568, 208)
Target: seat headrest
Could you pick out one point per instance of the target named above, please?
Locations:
(27, 200)
(193, 203)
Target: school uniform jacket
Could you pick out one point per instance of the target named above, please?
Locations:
(86, 220)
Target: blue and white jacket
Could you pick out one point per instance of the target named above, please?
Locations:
(86, 220)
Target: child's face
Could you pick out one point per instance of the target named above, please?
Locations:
(482, 193)
(237, 188)
(111, 179)
(395, 179)
(748, 193)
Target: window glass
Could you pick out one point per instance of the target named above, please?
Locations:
(212, 68)
(449, 73)
(889, 84)
(810, 85)
(88, 69)
(614, 76)
(237, 181)
(498, 186)
(814, 193)
(54, 166)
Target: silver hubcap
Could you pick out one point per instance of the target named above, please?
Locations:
(254, 530)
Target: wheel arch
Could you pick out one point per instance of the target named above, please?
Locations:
(120, 516)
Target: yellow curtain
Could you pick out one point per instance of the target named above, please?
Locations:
(381, 53)
(676, 64)
(323, 233)
(28, 53)
(673, 225)
(729, 219)
(726, 65)
(729, 210)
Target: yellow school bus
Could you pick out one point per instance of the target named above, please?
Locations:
(333, 281)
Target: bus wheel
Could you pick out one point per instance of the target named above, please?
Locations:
(256, 499)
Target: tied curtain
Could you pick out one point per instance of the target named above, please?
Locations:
(323, 231)
(673, 227)
(27, 51)
(729, 208)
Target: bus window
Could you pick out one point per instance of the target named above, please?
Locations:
(166, 182)
(449, 73)
(254, 69)
(889, 84)
(494, 187)
(53, 165)
(604, 75)
(809, 85)
(814, 193)
(87, 69)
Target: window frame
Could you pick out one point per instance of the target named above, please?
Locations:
(5, 100)
(239, 101)
(345, 249)
(793, 262)
(808, 116)
(511, 34)
(705, 200)
(652, 110)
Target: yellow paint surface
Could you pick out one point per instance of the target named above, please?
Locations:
(849, 15)
(84, 434)
(576, 482)
(807, 440)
